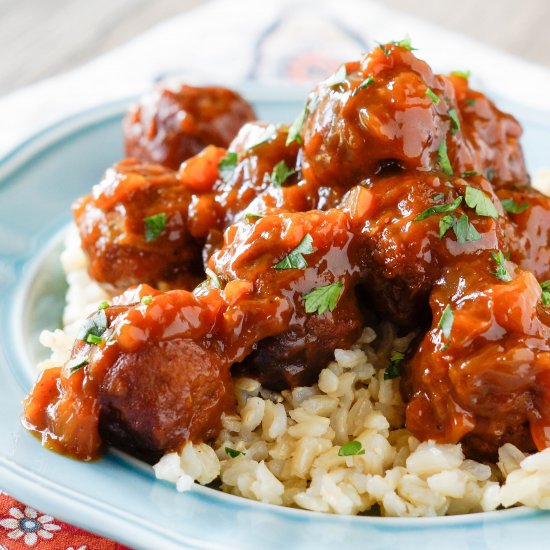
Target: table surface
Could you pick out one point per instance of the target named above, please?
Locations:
(74, 31)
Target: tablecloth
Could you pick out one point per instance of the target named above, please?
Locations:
(272, 42)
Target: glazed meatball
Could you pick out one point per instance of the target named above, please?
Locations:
(171, 124)
(296, 357)
(133, 228)
(372, 112)
(167, 393)
(493, 137)
(405, 249)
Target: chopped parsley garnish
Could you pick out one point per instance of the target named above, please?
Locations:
(438, 209)
(351, 448)
(463, 74)
(445, 223)
(470, 101)
(369, 81)
(296, 128)
(511, 206)
(501, 272)
(545, 298)
(490, 174)
(338, 78)
(432, 95)
(269, 132)
(233, 453)
(252, 217)
(455, 125)
(227, 165)
(146, 300)
(93, 339)
(446, 321)
(465, 231)
(322, 298)
(103, 305)
(213, 277)
(75, 364)
(95, 325)
(154, 226)
(281, 172)
(394, 368)
(444, 161)
(438, 197)
(469, 173)
(404, 43)
(295, 258)
(475, 198)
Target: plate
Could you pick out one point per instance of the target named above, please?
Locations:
(117, 496)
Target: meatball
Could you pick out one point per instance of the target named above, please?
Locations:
(133, 228)
(493, 137)
(171, 124)
(374, 111)
(167, 393)
(405, 248)
(529, 214)
(296, 357)
(483, 379)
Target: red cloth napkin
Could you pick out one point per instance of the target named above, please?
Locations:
(24, 528)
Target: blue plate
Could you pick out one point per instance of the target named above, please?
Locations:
(118, 496)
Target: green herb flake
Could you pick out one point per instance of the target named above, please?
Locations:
(296, 128)
(322, 298)
(432, 95)
(154, 226)
(295, 258)
(227, 165)
(511, 206)
(500, 272)
(455, 124)
(253, 217)
(103, 305)
(463, 74)
(482, 203)
(545, 297)
(233, 453)
(281, 172)
(95, 325)
(338, 78)
(465, 231)
(469, 174)
(351, 448)
(445, 223)
(93, 339)
(394, 368)
(490, 174)
(438, 209)
(269, 132)
(470, 101)
(444, 161)
(446, 321)
(213, 277)
(75, 364)
(369, 81)
(404, 43)
(146, 300)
